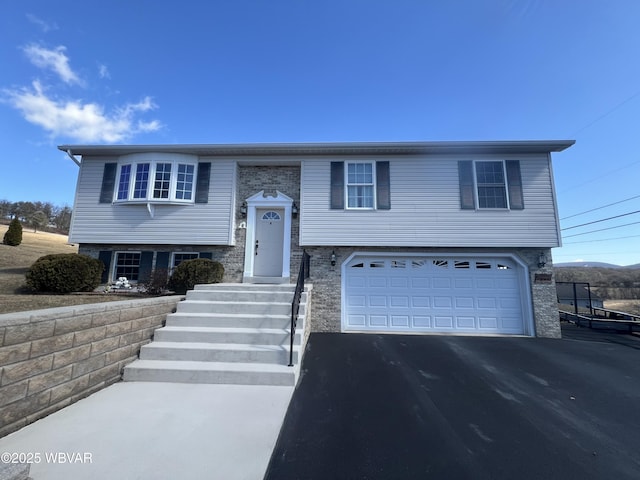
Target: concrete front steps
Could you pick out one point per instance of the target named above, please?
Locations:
(226, 333)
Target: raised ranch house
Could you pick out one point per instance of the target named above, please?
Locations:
(448, 237)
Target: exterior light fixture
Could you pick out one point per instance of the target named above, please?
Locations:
(243, 209)
(542, 260)
(294, 210)
(333, 258)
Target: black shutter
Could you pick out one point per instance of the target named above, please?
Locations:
(202, 182)
(337, 185)
(383, 190)
(105, 257)
(514, 181)
(146, 264)
(162, 260)
(465, 177)
(108, 182)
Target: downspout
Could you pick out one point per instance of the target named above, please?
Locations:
(72, 157)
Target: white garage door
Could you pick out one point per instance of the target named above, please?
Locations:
(433, 294)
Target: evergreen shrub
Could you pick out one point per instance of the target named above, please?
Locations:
(64, 273)
(13, 236)
(191, 272)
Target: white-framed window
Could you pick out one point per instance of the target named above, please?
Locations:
(156, 181)
(360, 181)
(491, 186)
(127, 264)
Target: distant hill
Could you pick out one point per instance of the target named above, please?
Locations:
(591, 264)
(609, 283)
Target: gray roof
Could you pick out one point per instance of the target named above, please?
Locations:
(331, 148)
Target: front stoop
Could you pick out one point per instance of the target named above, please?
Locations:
(226, 333)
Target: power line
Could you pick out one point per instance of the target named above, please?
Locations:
(601, 220)
(609, 112)
(600, 208)
(605, 174)
(601, 240)
(601, 230)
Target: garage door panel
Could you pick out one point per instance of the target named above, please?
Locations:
(485, 283)
(441, 282)
(511, 323)
(434, 294)
(377, 282)
(420, 282)
(357, 301)
(464, 302)
(377, 301)
(378, 320)
(488, 322)
(484, 302)
(420, 321)
(356, 281)
(461, 283)
(420, 302)
(443, 322)
(442, 302)
(399, 320)
(399, 282)
(509, 303)
(466, 322)
(402, 302)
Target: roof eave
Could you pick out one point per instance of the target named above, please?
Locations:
(340, 148)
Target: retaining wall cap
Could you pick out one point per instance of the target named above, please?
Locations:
(34, 316)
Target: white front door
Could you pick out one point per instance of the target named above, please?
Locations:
(269, 240)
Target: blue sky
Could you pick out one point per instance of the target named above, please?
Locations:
(352, 70)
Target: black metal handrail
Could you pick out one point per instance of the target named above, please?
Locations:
(303, 274)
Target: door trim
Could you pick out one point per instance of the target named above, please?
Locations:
(259, 200)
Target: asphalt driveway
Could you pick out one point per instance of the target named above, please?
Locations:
(423, 407)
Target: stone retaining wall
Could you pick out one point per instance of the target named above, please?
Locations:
(52, 358)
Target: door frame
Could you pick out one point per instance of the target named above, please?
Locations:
(259, 200)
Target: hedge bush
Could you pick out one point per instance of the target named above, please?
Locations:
(13, 236)
(64, 273)
(192, 272)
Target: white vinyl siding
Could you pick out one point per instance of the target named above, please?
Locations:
(208, 223)
(426, 208)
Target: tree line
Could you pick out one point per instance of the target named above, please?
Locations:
(607, 283)
(37, 215)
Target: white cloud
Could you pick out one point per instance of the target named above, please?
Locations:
(55, 60)
(44, 25)
(103, 70)
(82, 122)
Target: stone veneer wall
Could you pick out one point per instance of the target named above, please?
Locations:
(327, 281)
(52, 358)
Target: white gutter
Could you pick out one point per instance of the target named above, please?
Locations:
(72, 157)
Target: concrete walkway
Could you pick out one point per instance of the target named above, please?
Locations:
(137, 430)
